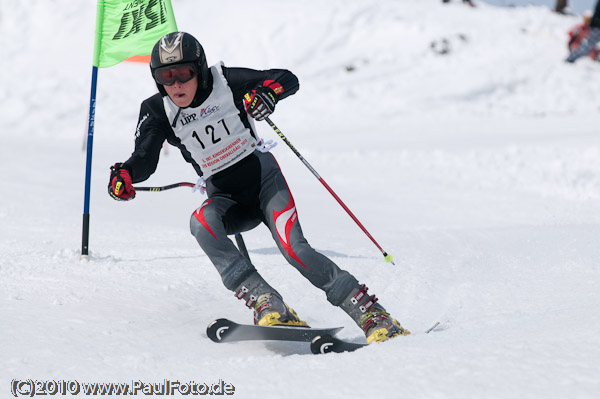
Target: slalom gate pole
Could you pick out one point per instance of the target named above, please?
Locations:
(388, 258)
(238, 237)
(88, 167)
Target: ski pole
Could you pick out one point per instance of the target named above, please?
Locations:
(170, 186)
(242, 246)
(238, 237)
(388, 258)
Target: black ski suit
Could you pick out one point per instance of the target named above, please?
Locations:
(244, 186)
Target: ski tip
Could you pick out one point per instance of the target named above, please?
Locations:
(218, 329)
(322, 344)
(329, 332)
(328, 344)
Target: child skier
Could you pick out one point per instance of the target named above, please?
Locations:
(204, 111)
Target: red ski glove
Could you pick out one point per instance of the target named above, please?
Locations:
(120, 186)
(260, 102)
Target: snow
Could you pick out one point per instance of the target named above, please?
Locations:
(479, 170)
(574, 6)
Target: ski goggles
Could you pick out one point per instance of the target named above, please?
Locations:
(169, 74)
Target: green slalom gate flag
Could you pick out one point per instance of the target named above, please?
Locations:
(125, 28)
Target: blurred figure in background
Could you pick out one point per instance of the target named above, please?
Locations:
(469, 2)
(588, 43)
(561, 6)
(580, 32)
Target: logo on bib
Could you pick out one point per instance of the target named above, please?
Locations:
(208, 110)
(187, 118)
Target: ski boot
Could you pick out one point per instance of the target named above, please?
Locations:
(269, 309)
(379, 326)
(376, 323)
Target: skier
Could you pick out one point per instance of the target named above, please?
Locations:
(208, 112)
(579, 33)
(588, 44)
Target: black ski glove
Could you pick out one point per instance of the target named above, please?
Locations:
(260, 102)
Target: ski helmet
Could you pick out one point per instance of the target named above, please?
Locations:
(179, 48)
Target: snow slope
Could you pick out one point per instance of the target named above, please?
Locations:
(479, 170)
(575, 6)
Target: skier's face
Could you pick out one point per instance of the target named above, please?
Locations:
(182, 94)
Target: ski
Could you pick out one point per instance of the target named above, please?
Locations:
(328, 344)
(224, 330)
